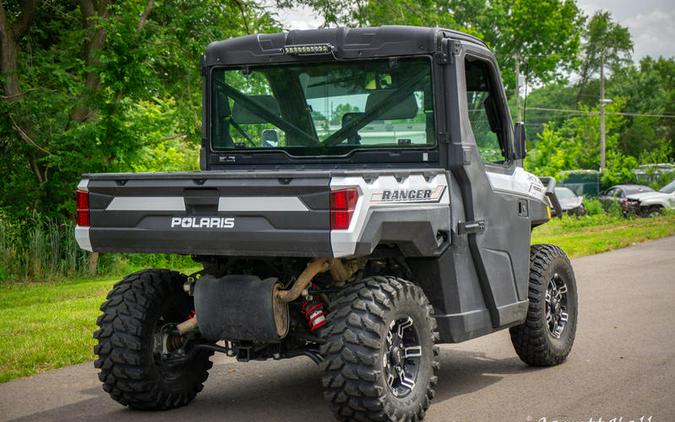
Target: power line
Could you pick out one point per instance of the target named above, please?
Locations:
(667, 116)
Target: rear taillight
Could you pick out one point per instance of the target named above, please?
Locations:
(342, 205)
(82, 204)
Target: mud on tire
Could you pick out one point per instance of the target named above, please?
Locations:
(362, 327)
(541, 341)
(130, 371)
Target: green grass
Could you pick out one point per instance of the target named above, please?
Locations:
(49, 325)
(600, 233)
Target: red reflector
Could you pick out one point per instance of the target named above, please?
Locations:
(82, 204)
(342, 205)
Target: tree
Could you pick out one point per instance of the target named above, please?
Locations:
(354, 13)
(645, 93)
(545, 34)
(606, 44)
(650, 91)
(340, 110)
(574, 145)
(101, 85)
(12, 32)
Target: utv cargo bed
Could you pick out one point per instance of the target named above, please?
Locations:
(236, 213)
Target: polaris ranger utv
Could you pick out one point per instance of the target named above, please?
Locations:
(362, 199)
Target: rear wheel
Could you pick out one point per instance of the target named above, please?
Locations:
(581, 211)
(139, 367)
(380, 353)
(652, 211)
(547, 335)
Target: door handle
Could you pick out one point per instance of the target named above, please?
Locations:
(471, 227)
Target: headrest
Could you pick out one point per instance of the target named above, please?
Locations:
(476, 79)
(242, 114)
(405, 109)
(349, 116)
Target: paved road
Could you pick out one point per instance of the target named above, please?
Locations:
(623, 364)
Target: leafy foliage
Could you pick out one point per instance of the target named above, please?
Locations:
(108, 86)
(593, 206)
(606, 44)
(569, 139)
(97, 86)
(545, 33)
(574, 145)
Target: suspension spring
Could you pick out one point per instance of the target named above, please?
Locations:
(314, 311)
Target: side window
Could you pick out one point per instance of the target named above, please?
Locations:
(484, 102)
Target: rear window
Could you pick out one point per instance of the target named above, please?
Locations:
(323, 109)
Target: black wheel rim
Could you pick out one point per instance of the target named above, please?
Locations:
(556, 306)
(402, 355)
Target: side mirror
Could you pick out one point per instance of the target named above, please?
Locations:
(519, 148)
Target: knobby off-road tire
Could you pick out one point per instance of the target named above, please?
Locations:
(538, 341)
(131, 372)
(362, 330)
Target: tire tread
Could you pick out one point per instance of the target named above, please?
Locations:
(353, 340)
(530, 339)
(125, 372)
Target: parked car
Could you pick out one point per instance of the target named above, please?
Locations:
(570, 202)
(639, 199)
(669, 188)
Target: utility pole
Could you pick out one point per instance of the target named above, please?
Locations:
(602, 113)
(519, 116)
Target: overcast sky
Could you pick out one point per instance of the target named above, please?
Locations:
(651, 22)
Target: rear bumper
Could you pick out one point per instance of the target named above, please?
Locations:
(201, 213)
(206, 242)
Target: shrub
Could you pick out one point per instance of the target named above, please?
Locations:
(615, 209)
(39, 248)
(594, 206)
(42, 248)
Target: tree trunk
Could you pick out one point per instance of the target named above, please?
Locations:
(8, 48)
(9, 38)
(82, 112)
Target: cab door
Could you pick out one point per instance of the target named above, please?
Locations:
(493, 185)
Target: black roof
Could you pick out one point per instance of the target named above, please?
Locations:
(348, 43)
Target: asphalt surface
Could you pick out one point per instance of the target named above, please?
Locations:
(622, 365)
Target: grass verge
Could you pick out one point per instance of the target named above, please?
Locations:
(49, 325)
(601, 233)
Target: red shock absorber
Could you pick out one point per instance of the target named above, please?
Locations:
(314, 312)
